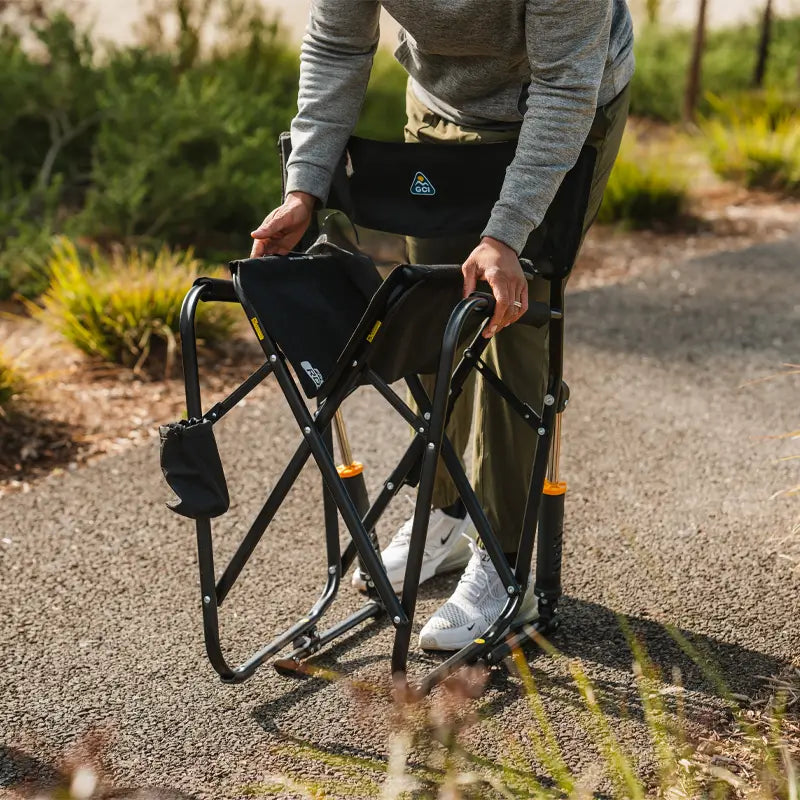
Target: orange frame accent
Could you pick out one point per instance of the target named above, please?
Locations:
(554, 489)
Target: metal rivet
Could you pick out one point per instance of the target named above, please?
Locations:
(431, 445)
(355, 364)
(511, 590)
(549, 399)
(527, 416)
(541, 431)
(427, 415)
(421, 430)
(206, 599)
(306, 430)
(332, 570)
(273, 359)
(543, 601)
(396, 620)
(468, 354)
(390, 486)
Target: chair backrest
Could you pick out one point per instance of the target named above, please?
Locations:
(432, 190)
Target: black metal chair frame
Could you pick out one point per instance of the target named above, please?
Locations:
(545, 503)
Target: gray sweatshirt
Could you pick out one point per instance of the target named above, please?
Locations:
(542, 65)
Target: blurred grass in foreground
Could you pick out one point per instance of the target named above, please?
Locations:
(428, 757)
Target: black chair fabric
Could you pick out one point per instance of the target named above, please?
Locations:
(193, 469)
(319, 311)
(310, 303)
(373, 185)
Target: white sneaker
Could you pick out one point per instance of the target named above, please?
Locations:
(473, 607)
(445, 550)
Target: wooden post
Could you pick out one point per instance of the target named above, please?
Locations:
(696, 65)
(763, 47)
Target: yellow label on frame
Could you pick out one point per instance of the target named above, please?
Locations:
(374, 332)
(257, 328)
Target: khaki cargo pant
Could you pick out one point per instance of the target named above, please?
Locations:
(503, 446)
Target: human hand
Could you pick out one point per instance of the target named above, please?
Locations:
(280, 232)
(498, 265)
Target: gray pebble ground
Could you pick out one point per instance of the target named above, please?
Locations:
(670, 520)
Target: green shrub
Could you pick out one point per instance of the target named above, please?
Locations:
(662, 56)
(27, 224)
(202, 167)
(760, 150)
(125, 309)
(647, 188)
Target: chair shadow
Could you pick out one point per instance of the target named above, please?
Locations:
(710, 670)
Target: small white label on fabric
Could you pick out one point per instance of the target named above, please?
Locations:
(422, 186)
(312, 373)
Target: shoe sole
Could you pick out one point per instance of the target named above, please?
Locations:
(457, 558)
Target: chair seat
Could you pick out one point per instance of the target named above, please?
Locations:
(327, 309)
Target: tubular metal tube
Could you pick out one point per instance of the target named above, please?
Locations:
(344, 441)
(554, 461)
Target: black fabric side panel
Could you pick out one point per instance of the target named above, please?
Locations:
(309, 305)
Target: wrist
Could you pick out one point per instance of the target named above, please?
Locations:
(496, 244)
(306, 200)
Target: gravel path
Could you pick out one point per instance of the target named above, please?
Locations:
(670, 521)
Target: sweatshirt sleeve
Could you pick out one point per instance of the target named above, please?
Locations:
(335, 63)
(567, 42)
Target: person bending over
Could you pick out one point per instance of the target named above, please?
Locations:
(551, 75)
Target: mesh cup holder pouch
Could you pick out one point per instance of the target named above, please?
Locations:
(192, 467)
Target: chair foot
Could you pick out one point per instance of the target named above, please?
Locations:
(522, 636)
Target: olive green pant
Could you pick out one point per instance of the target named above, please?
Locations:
(503, 445)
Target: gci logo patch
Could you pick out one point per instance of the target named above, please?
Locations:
(313, 373)
(422, 186)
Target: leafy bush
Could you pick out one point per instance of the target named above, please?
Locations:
(662, 56)
(647, 187)
(27, 222)
(760, 150)
(125, 309)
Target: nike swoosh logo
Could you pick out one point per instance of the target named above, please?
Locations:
(470, 627)
(447, 538)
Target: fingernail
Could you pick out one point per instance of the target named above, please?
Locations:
(493, 329)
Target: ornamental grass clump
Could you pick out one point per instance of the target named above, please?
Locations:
(648, 187)
(125, 308)
(10, 384)
(760, 150)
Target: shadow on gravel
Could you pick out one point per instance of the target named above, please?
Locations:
(727, 303)
(707, 668)
(30, 776)
(18, 768)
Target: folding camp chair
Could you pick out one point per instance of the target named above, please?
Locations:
(325, 320)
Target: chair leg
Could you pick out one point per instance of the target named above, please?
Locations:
(551, 537)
